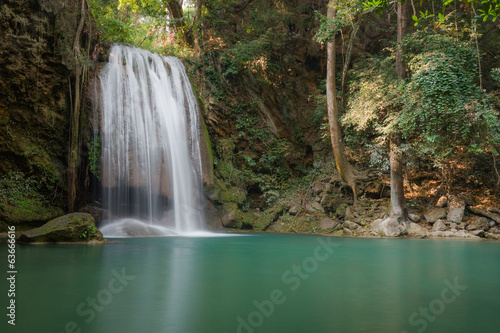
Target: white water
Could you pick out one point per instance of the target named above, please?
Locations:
(150, 130)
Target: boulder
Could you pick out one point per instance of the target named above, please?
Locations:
(439, 226)
(229, 214)
(294, 210)
(414, 217)
(495, 230)
(456, 209)
(390, 227)
(479, 223)
(442, 202)
(95, 211)
(313, 207)
(453, 226)
(347, 232)
(327, 223)
(435, 214)
(212, 219)
(375, 225)
(416, 229)
(340, 211)
(458, 234)
(478, 233)
(71, 228)
(350, 225)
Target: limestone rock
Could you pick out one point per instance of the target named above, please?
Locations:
(442, 202)
(212, 219)
(458, 234)
(495, 230)
(71, 228)
(228, 214)
(375, 225)
(416, 229)
(391, 228)
(479, 223)
(294, 210)
(414, 217)
(439, 226)
(435, 214)
(313, 207)
(351, 225)
(347, 232)
(479, 233)
(327, 223)
(456, 209)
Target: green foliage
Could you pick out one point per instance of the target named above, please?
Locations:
(443, 105)
(95, 156)
(21, 198)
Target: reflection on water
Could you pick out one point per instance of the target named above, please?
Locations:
(260, 283)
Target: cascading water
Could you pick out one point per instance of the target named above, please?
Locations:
(151, 163)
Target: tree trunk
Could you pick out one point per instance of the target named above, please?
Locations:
(398, 201)
(343, 166)
(177, 14)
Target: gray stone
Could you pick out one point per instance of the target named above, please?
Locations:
(391, 228)
(479, 233)
(294, 210)
(454, 226)
(456, 209)
(479, 223)
(375, 225)
(492, 224)
(314, 207)
(327, 223)
(435, 214)
(495, 230)
(328, 188)
(493, 236)
(278, 226)
(416, 229)
(442, 202)
(347, 232)
(350, 225)
(349, 213)
(439, 226)
(212, 219)
(462, 225)
(414, 217)
(457, 234)
(340, 211)
(229, 214)
(70, 228)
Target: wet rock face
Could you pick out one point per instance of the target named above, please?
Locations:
(36, 39)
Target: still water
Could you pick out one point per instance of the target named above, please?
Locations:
(258, 283)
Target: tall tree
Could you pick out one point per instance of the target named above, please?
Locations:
(178, 23)
(344, 167)
(398, 201)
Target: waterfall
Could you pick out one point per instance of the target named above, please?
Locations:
(150, 149)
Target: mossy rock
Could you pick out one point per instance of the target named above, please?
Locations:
(71, 228)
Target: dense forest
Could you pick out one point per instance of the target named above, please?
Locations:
(318, 116)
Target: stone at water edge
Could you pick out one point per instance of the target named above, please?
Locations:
(479, 233)
(416, 229)
(327, 223)
(390, 227)
(456, 209)
(479, 223)
(439, 226)
(350, 225)
(71, 228)
(435, 214)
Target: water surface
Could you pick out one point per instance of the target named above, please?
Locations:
(259, 283)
